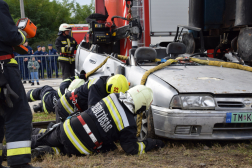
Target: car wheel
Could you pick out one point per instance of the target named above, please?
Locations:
(147, 130)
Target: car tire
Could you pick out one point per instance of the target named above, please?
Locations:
(147, 130)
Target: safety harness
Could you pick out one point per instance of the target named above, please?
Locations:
(90, 134)
(74, 100)
(92, 137)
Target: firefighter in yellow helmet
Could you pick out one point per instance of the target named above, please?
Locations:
(96, 129)
(89, 94)
(66, 45)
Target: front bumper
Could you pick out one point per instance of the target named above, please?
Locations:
(197, 125)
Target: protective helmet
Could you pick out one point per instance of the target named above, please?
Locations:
(142, 97)
(116, 84)
(64, 27)
(75, 84)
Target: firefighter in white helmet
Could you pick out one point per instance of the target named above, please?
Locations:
(110, 120)
(66, 45)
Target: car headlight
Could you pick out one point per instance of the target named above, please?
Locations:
(192, 102)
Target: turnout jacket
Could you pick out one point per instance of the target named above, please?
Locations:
(65, 84)
(85, 96)
(110, 121)
(48, 95)
(9, 35)
(66, 54)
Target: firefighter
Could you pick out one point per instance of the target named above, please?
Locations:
(95, 129)
(66, 45)
(49, 96)
(89, 94)
(15, 113)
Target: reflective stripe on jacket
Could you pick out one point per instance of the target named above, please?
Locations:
(88, 94)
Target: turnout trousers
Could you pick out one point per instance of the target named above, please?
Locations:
(67, 69)
(17, 121)
(56, 138)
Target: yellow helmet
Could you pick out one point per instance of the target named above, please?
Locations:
(142, 97)
(116, 84)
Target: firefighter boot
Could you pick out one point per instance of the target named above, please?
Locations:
(41, 151)
(37, 108)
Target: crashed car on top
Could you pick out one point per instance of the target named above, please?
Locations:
(191, 100)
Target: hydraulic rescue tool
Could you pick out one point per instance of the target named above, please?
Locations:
(106, 35)
(29, 30)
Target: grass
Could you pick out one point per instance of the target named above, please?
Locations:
(37, 117)
(189, 154)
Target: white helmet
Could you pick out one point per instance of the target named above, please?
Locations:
(142, 97)
(75, 84)
(64, 27)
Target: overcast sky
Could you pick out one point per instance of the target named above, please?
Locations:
(82, 2)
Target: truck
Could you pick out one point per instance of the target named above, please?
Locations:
(157, 25)
(226, 27)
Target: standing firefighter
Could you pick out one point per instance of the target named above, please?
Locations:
(110, 120)
(15, 112)
(66, 45)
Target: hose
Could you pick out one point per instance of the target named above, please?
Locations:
(94, 70)
(122, 57)
(222, 64)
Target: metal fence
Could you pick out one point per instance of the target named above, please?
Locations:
(48, 67)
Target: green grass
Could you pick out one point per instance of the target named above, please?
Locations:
(38, 117)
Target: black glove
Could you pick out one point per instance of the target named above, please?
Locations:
(159, 144)
(106, 147)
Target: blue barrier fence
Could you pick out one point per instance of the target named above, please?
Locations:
(49, 66)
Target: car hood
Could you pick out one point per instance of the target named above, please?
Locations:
(217, 80)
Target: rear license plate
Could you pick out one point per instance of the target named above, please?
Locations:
(238, 117)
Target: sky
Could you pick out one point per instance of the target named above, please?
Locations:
(83, 2)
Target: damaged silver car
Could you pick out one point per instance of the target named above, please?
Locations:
(191, 100)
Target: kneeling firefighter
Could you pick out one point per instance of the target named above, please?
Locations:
(66, 45)
(15, 113)
(89, 94)
(110, 120)
(49, 96)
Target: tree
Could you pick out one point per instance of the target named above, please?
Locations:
(48, 15)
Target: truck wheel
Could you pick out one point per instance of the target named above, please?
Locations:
(147, 130)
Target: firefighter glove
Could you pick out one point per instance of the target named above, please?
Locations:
(159, 144)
